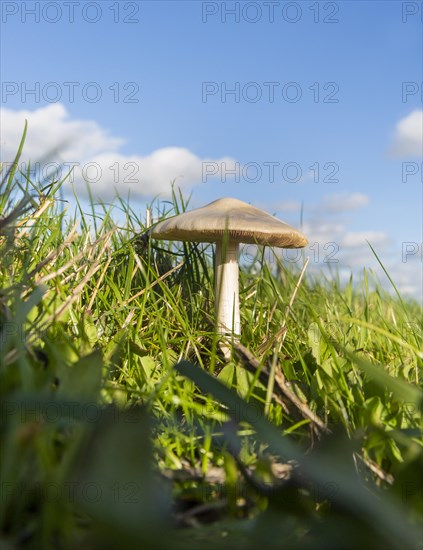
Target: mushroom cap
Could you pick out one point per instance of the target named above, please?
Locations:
(240, 221)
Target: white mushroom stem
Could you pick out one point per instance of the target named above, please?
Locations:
(227, 288)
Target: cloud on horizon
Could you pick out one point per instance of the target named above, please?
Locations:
(94, 155)
(344, 202)
(408, 139)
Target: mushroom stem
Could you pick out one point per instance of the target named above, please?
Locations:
(227, 288)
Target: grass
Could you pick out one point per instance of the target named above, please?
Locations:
(123, 424)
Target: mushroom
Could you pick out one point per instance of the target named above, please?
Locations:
(228, 222)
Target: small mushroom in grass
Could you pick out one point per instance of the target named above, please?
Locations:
(228, 222)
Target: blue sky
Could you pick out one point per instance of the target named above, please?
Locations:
(338, 72)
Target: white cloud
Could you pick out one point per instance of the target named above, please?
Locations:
(145, 176)
(343, 202)
(408, 140)
(95, 157)
(354, 239)
(332, 245)
(324, 232)
(408, 280)
(49, 128)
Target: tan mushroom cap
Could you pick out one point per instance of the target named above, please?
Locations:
(242, 222)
